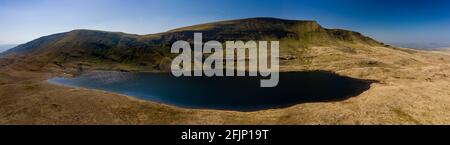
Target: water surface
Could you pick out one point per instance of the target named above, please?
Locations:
(227, 93)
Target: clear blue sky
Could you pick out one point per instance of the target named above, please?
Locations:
(399, 21)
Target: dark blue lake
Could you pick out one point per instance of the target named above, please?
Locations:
(225, 93)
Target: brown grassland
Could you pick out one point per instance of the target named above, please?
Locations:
(413, 89)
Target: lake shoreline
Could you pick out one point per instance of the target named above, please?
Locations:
(358, 90)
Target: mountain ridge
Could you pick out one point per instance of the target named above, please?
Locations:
(95, 47)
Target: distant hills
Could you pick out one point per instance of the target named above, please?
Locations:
(422, 45)
(4, 47)
(129, 51)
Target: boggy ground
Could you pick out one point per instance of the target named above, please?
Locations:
(413, 89)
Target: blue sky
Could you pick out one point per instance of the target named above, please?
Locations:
(418, 22)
